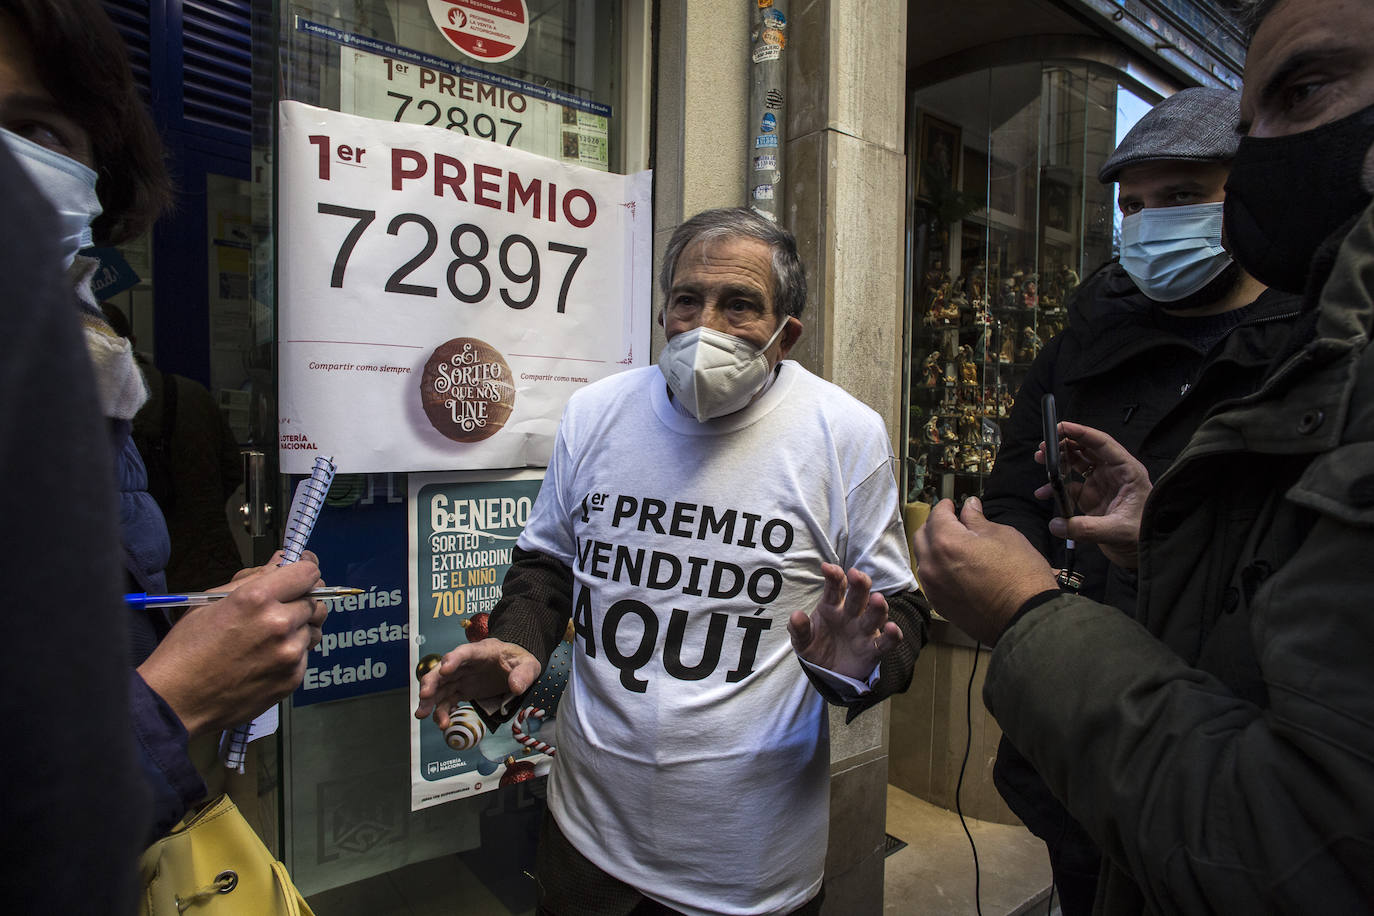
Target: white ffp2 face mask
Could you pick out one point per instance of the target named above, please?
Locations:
(1172, 252)
(712, 373)
(67, 184)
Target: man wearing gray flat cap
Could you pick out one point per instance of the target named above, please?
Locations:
(1154, 341)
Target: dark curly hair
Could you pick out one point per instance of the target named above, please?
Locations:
(82, 61)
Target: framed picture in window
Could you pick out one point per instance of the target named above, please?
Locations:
(1054, 258)
(938, 170)
(1055, 200)
(1002, 190)
(932, 252)
(975, 171)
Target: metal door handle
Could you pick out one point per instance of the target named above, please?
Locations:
(256, 510)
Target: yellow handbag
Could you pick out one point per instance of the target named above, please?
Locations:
(214, 863)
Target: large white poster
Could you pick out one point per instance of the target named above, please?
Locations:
(442, 296)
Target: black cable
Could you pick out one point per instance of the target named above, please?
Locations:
(958, 786)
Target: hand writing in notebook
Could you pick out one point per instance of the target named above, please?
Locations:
(224, 663)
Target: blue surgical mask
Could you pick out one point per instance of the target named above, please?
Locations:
(67, 184)
(1172, 252)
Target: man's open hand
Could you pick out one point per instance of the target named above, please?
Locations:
(848, 630)
(480, 670)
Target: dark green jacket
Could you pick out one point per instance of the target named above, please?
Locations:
(1221, 749)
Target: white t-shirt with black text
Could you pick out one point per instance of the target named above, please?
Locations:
(693, 754)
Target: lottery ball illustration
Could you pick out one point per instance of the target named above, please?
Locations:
(548, 690)
(477, 626)
(466, 390)
(427, 664)
(517, 771)
(465, 729)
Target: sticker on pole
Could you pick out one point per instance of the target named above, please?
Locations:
(487, 30)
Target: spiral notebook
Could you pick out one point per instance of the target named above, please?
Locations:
(306, 504)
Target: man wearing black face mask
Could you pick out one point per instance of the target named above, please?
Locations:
(1153, 343)
(1221, 749)
(1304, 173)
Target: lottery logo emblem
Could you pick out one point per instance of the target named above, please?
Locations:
(466, 390)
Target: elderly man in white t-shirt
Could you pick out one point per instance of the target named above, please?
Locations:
(691, 513)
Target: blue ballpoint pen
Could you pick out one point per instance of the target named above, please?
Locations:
(193, 599)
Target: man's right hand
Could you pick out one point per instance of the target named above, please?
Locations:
(225, 662)
(487, 669)
(976, 573)
(1111, 498)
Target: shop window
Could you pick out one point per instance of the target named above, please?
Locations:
(557, 96)
(350, 838)
(1006, 217)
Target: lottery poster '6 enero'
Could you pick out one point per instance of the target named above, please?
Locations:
(442, 296)
(463, 528)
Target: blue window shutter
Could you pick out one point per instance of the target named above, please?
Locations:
(192, 61)
(217, 65)
(133, 20)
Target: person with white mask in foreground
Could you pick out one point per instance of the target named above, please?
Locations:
(725, 534)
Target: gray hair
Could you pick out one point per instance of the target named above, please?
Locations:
(1250, 13)
(789, 276)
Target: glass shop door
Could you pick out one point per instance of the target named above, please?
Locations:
(349, 838)
(1006, 217)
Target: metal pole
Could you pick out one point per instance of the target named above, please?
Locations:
(767, 105)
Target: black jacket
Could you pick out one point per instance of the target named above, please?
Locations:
(75, 810)
(1123, 367)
